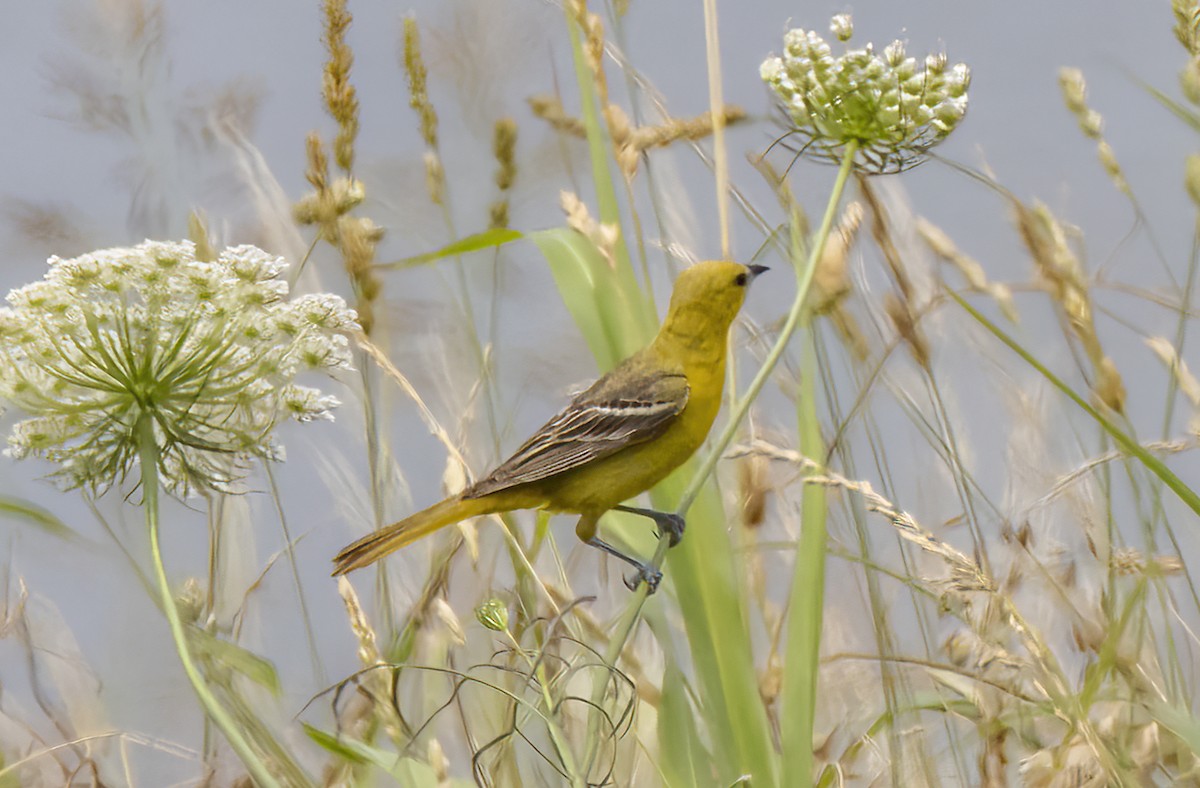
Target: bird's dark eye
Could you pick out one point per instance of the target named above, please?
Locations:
(740, 280)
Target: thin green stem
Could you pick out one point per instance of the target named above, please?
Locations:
(290, 546)
(789, 328)
(148, 458)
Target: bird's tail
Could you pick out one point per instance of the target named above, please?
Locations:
(386, 540)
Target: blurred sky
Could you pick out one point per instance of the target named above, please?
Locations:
(85, 187)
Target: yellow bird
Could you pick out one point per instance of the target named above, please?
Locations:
(614, 441)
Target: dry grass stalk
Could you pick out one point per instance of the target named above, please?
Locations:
(504, 144)
(550, 109)
(1074, 91)
(357, 238)
(798, 219)
(1187, 382)
(1060, 270)
(966, 577)
(329, 205)
(1191, 175)
(1187, 30)
(370, 703)
(831, 281)
(431, 423)
(632, 142)
(831, 284)
(972, 271)
(368, 649)
(435, 756)
(753, 489)
(418, 99)
(1184, 379)
(329, 200)
(1187, 24)
(341, 100)
(1128, 561)
(966, 574)
(592, 28)
(900, 304)
(579, 219)
(1064, 482)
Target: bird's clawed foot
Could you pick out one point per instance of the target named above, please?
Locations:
(668, 524)
(645, 574)
(671, 525)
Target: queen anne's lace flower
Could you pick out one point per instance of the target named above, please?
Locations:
(207, 350)
(890, 107)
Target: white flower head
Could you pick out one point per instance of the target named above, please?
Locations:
(205, 350)
(891, 108)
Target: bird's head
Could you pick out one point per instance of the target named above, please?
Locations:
(707, 296)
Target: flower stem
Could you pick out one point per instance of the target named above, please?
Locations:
(805, 276)
(148, 458)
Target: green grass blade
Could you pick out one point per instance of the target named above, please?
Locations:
(1179, 721)
(713, 605)
(680, 751)
(405, 770)
(36, 516)
(347, 750)
(605, 311)
(1127, 443)
(1186, 114)
(807, 597)
(258, 669)
(472, 243)
(609, 207)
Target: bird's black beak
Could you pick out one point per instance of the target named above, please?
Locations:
(755, 270)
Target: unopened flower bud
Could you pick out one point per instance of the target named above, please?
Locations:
(842, 27)
(493, 614)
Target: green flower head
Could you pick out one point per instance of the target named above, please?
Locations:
(205, 351)
(891, 107)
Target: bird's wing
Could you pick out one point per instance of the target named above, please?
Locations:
(618, 411)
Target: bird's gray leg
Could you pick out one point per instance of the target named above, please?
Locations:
(668, 523)
(645, 572)
(585, 529)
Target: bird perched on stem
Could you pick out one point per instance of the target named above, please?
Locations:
(614, 441)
